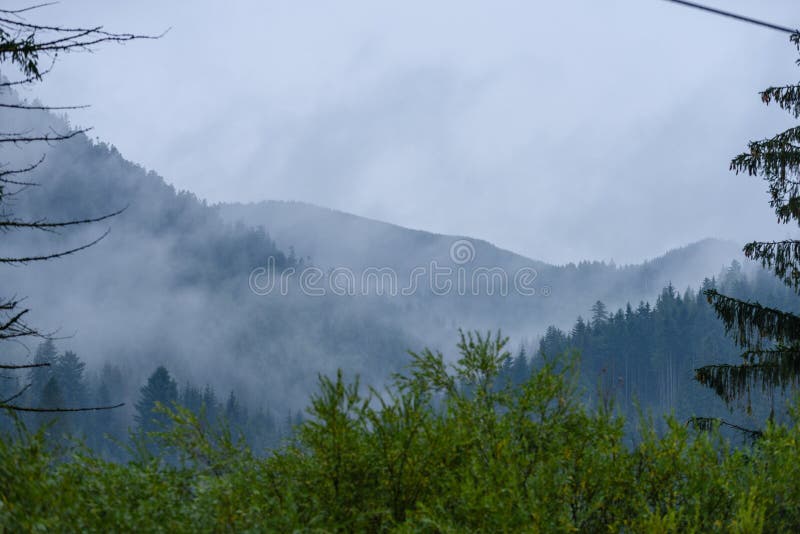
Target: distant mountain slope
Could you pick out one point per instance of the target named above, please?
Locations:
(332, 238)
(169, 286)
(171, 283)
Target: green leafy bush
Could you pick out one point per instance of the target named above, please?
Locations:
(445, 448)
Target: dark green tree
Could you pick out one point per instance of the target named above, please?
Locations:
(43, 360)
(211, 405)
(109, 386)
(519, 367)
(69, 371)
(191, 398)
(235, 415)
(769, 337)
(160, 389)
(599, 313)
(52, 396)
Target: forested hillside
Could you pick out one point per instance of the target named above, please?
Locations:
(190, 353)
(446, 449)
(332, 239)
(171, 284)
(643, 357)
(66, 383)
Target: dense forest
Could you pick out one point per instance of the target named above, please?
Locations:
(65, 383)
(172, 265)
(639, 360)
(446, 448)
(644, 357)
(150, 383)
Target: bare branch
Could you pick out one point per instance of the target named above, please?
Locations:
(42, 108)
(16, 395)
(24, 260)
(12, 172)
(25, 366)
(44, 225)
(47, 138)
(15, 408)
(26, 9)
(31, 79)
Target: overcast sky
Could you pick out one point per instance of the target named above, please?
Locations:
(562, 130)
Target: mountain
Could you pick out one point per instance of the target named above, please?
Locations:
(333, 239)
(179, 283)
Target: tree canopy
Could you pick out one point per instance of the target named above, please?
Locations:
(769, 337)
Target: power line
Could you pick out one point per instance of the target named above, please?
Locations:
(735, 16)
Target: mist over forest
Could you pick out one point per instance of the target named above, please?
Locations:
(170, 284)
(386, 349)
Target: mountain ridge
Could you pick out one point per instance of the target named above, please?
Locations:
(264, 213)
(169, 285)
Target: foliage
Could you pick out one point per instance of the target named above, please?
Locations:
(444, 449)
(641, 356)
(770, 337)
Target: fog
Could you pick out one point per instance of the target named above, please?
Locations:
(585, 144)
(544, 128)
(172, 284)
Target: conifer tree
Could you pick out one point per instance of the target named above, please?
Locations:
(160, 388)
(43, 360)
(520, 370)
(599, 313)
(52, 396)
(69, 371)
(234, 414)
(191, 398)
(768, 337)
(210, 404)
(109, 386)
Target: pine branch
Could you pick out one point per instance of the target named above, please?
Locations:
(750, 323)
(707, 424)
(782, 257)
(764, 369)
(786, 97)
(778, 161)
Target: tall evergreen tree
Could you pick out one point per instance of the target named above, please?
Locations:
(160, 388)
(520, 369)
(210, 404)
(769, 337)
(109, 388)
(52, 396)
(191, 398)
(234, 413)
(46, 354)
(599, 313)
(68, 370)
